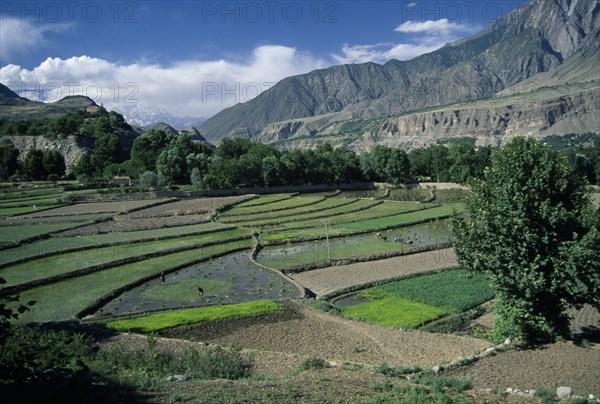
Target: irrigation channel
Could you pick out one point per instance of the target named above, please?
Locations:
(401, 239)
(229, 279)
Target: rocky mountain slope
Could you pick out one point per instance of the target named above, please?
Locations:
(535, 38)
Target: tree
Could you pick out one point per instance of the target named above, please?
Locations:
(9, 160)
(33, 165)
(148, 147)
(172, 164)
(530, 226)
(54, 163)
(107, 150)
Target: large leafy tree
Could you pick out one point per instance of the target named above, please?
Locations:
(530, 225)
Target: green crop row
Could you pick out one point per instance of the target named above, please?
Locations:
(414, 301)
(362, 225)
(57, 244)
(284, 204)
(74, 261)
(15, 233)
(263, 200)
(324, 205)
(161, 321)
(63, 300)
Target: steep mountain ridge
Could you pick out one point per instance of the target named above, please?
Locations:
(535, 38)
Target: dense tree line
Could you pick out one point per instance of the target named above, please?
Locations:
(36, 164)
(78, 123)
(239, 162)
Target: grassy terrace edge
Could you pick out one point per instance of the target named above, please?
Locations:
(176, 318)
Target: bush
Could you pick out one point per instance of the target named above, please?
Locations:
(314, 363)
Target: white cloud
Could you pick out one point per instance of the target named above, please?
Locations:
(422, 37)
(19, 37)
(193, 88)
(432, 27)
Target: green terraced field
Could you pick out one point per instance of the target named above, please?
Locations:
(69, 262)
(62, 301)
(263, 200)
(364, 225)
(325, 206)
(288, 203)
(161, 321)
(56, 244)
(414, 301)
(16, 233)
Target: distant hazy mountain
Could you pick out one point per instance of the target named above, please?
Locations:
(148, 117)
(534, 38)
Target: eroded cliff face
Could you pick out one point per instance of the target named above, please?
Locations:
(576, 113)
(70, 147)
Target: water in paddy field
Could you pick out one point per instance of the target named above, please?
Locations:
(226, 280)
(421, 235)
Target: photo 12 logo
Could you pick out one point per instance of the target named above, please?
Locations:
(125, 12)
(54, 91)
(466, 11)
(253, 12)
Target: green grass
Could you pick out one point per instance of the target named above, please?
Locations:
(371, 210)
(63, 300)
(68, 262)
(394, 312)
(161, 321)
(27, 202)
(284, 257)
(16, 233)
(414, 195)
(298, 220)
(56, 244)
(364, 225)
(414, 301)
(28, 193)
(325, 206)
(26, 209)
(263, 200)
(288, 203)
(454, 290)
(187, 290)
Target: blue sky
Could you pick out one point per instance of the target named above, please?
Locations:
(195, 58)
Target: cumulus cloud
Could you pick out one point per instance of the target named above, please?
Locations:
(433, 27)
(422, 37)
(192, 87)
(18, 37)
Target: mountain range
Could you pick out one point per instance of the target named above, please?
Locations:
(466, 88)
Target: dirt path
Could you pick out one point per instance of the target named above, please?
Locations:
(304, 331)
(328, 280)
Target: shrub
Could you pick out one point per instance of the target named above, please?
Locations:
(314, 363)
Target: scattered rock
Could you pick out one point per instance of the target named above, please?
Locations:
(564, 393)
(437, 369)
(509, 390)
(178, 378)
(507, 341)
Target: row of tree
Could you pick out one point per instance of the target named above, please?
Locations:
(36, 165)
(238, 162)
(78, 123)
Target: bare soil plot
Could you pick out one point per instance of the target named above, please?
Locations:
(302, 330)
(331, 279)
(95, 207)
(560, 364)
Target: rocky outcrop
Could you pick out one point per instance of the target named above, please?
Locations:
(576, 113)
(71, 147)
